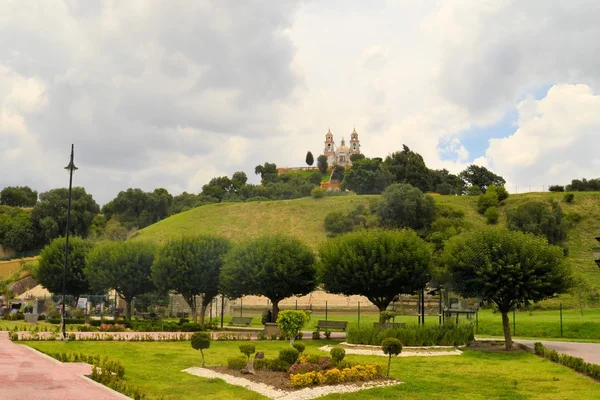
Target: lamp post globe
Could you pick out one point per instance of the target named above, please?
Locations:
(70, 168)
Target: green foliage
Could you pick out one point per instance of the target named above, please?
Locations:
(445, 189)
(290, 322)
(405, 206)
(300, 347)
(322, 164)
(49, 216)
(500, 192)
(51, 266)
(448, 334)
(391, 346)
(492, 215)
(201, 341)
(135, 208)
(539, 218)
(317, 192)
(474, 191)
(337, 354)
(247, 349)
(569, 197)
(475, 175)
(575, 363)
(191, 266)
(18, 196)
(337, 174)
(506, 268)
(386, 315)
(236, 363)
(16, 229)
(272, 266)
(289, 356)
(123, 266)
(338, 222)
(367, 176)
(556, 188)
(408, 167)
(584, 185)
(267, 172)
(487, 200)
(310, 159)
(377, 264)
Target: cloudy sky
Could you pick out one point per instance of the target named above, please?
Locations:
(171, 93)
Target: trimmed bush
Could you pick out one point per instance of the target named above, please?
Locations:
(391, 347)
(487, 200)
(247, 349)
(236, 363)
(201, 341)
(448, 334)
(575, 363)
(262, 364)
(279, 365)
(289, 356)
(300, 347)
(569, 197)
(492, 215)
(337, 354)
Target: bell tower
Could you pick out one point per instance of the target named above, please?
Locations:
(354, 143)
(329, 145)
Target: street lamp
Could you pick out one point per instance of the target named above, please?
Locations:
(71, 168)
(597, 253)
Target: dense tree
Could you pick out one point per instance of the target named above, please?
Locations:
(337, 173)
(51, 263)
(218, 187)
(540, 218)
(238, 180)
(138, 209)
(20, 235)
(18, 196)
(445, 183)
(267, 172)
(377, 264)
(49, 216)
(322, 164)
(474, 175)
(122, 266)
(406, 166)
(310, 159)
(191, 266)
(584, 185)
(367, 176)
(509, 269)
(272, 266)
(355, 157)
(405, 206)
(186, 201)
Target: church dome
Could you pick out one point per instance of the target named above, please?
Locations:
(343, 148)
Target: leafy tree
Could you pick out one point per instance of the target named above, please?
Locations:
(191, 266)
(49, 216)
(51, 264)
(492, 215)
(20, 235)
(186, 201)
(556, 188)
(405, 206)
(272, 266)
(509, 269)
(367, 176)
(137, 209)
(218, 187)
(446, 183)
(201, 341)
(322, 164)
(291, 322)
(356, 157)
(122, 266)
(540, 218)
(500, 192)
(338, 222)
(338, 173)
(474, 191)
(267, 172)
(238, 180)
(406, 166)
(377, 264)
(487, 200)
(18, 196)
(310, 159)
(317, 192)
(474, 175)
(445, 189)
(114, 230)
(583, 185)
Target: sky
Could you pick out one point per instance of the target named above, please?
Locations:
(170, 93)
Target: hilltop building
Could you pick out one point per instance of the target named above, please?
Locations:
(341, 155)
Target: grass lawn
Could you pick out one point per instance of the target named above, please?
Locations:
(155, 368)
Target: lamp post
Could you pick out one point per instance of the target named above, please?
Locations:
(71, 168)
(597, 253)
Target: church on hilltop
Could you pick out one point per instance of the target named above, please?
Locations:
(340, 155)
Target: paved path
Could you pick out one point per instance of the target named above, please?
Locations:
(590, 352)
(26, 374)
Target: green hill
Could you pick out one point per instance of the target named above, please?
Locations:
(304, 219)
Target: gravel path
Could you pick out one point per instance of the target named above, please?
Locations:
(278, 394)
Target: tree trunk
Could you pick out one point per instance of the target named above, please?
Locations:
(275, 311)
(191, 301)
(128, 311)
(202, 312)
(202, 352)
(507, 336)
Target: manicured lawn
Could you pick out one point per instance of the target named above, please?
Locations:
(155, 368)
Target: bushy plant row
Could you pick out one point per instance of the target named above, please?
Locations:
(334, 376)
(575, 363)
(448, 334)
(102, 336)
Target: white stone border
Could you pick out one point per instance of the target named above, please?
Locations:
(376, 351)
(278, 394)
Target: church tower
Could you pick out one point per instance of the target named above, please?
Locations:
(329, 151)
(354, 143)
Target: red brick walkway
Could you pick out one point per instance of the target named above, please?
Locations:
(26, 374)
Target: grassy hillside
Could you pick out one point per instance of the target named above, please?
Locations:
(304, 219)
(8, 268)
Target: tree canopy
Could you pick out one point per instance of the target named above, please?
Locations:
(18, 196)
(138, 209)
(191, 267)
(406, 166)
(272, 266)
(367, 176)
(405, 206)
(509, 269)
(322, 164)
(377, 264)
(540, 218)
(51, 263)
(310, 159)
(474, 175)
(122, 266)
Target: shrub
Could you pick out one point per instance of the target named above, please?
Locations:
(333, 376)
(492, 215)
(337, 354)
(316, 335)
(448, 334)
(289, 356)
(262, 364)
(391, 347)
(539, 218)
(386, 315)
(575, 363)
(77, 313)
(487, 200)
(201, 341)
(307, 379)
(300, 347)
(247, 349)
(500, 191)
(327, 334)
(303, 368)
(236, 363)
(290, 322)
(191, 327)
(53, 314)
(569, 197)
(317, 192)
(280, 365)
(556, 188)
(474, 191)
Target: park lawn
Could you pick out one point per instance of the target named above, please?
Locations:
(156, 369)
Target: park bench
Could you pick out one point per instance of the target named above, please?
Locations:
(143, 315)
(328, 325)
(241, 321)
(389, 325)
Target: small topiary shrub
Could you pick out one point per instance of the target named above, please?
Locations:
(280, 365)
(289, 356)
(247, 349)
(492, 215)
(300, 347)
(337, 354)
(316, 335)
(290, 322)
(201, 341)
(327, 335)
(391, 347)
(236, 363)
(262, 364)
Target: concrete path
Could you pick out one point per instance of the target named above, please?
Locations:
(590, 352)
(26, 374)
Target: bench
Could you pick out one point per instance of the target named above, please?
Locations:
(328, 325)
(389, 325)
(241, 321)
(144, 315)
